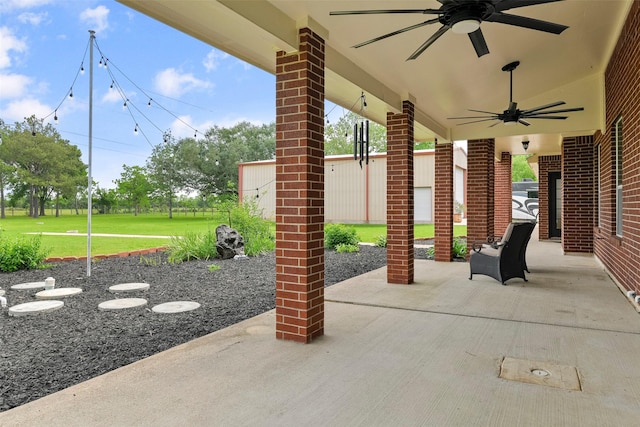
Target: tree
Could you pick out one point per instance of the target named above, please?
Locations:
(44, 162)
(338, 137)
(165, 168)
(134, 187)
(520, 168)
(105, 199)
(7, 171)
(213, 160)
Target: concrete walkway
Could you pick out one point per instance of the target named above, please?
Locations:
(427, 354)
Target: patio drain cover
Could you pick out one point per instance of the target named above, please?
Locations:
(58, 293)
(119, 304)
(128, 287)
(34, 307)
(175, 307)
(540, 373)
(28, 286)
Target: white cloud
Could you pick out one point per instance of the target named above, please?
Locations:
(213, 58)
(8, 5)
(16, 111)
(170, 82)
(96, 18)
(183, 127)
(13, 85)
(32, 18)
(112, 95)
(8, 42)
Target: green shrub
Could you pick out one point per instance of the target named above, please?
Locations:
(244, 218)
(381, 241)
(431, 252)
(193, 246)
(459, 247)
(256, 231)
(336, 234)
(342, 248)
(21, 254)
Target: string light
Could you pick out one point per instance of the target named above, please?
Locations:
(149, 103)
(135, 131)
(55, 117)
(71, 93)
(124, 106)
(82, 68)
(100, 63)
(111, 87)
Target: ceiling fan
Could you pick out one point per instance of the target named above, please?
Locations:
(464, 17)
(513, 115)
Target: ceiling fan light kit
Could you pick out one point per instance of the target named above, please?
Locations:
(466, 26)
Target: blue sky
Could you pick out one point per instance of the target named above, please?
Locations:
(43, 45)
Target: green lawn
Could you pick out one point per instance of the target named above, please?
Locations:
(370, 232)
(72, 244)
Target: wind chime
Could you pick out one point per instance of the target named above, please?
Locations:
(361, 136)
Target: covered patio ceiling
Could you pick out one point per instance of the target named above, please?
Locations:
(447, 79)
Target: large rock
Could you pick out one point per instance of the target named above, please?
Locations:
(229, 242)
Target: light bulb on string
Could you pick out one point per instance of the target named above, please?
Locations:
(195, 134)
(71, 93)
(100, 63)
(149, 103)
(111, 87)
(82, 68)
(124, 106)
(55, 117)
(135, 131)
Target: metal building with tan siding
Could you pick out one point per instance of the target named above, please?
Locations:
(353, 193)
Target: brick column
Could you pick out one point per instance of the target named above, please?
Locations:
(444, 202)
(300, 190)
(400, 195)
(577, 194)
(546, 165)
(502, 194)
(480, 171)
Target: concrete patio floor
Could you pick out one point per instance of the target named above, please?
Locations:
(425, 354)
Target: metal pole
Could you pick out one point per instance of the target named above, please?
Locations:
(90, 181)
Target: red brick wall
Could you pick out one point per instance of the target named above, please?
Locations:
(621, 255)
(577, 194)
(502, 194)
(480, 171)
(400, 251)
(300, 190)
(444, 202)
(546, 164)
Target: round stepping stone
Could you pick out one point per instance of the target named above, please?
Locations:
(28, 286)
(34, 307)
(58, 293)
(128, 287)
(122, 303)
(175, 307)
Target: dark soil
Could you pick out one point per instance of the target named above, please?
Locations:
(44, 353)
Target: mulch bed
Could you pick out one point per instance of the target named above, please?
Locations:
(41, 354)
